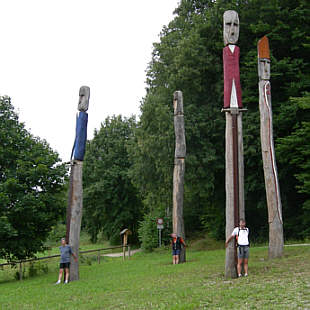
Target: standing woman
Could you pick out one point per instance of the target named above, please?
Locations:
(176, 244)
(65, 252)
(241, 234)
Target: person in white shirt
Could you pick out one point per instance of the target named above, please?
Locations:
(241, 234)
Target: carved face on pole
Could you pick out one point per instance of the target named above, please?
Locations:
(178, 102)
(230, 27)
(263, 59)
(264, 69)
(84, 98)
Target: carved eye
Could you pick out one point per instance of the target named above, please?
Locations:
(235, 24)
(228, 24)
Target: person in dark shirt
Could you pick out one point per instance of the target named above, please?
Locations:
(65, 253)
(176, 244)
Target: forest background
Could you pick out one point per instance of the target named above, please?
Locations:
(128, 165)
(189, 58)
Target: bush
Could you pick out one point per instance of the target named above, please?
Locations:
(148, 232)
(17, 273)
(58, 231)
(37, 267)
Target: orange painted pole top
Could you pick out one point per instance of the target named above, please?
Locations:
(263, 48)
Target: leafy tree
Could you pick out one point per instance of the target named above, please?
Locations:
(111, 201)
(31, 187)
(294, 152)
(189, 58)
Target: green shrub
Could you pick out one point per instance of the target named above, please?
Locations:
(115, 239)
(58, 231)
(33, 270)
(36, 268)
(148, 232)
(17, 274)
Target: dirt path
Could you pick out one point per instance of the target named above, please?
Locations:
(132, 252)
(295, 244)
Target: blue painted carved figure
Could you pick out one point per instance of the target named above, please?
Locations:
(78, 150)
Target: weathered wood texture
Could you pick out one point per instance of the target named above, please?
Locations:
(241, 167)
(178, 193)
(230, 264)
(180, 144)
(76, 216)
(179, 170)
(68, 215)
(232, 219)
(276, 241)
(84, 95)
(234, 178)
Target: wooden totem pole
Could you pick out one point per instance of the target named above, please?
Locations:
(276, 241)
(179, 169)
(75, 200)
(234, 139)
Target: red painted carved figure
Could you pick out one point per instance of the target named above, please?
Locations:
(231, 54)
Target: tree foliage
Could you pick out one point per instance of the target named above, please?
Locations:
(294, 151)
(189, 58)
(111, 202)
(31, 187)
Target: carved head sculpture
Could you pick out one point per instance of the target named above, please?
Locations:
(84, 98)
(263, 59)
(230, 27)
(178, 102)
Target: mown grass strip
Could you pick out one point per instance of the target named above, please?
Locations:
(150, 281)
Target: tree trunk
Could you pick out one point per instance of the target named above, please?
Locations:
(76, 216)
(276, 241)
(179, 170)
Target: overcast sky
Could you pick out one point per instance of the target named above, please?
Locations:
(49, 48)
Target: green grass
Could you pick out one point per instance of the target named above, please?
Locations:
(150, 281)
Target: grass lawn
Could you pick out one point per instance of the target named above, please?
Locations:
(150, 281)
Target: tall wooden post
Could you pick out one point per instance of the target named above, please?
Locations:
(276, 241)
(179, 170)
(76, 215)
(234, 176)
(75, 200)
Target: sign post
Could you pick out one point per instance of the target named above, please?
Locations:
(160, 227)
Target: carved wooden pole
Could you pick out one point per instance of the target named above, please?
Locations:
(75, 201)
(276, 241)
(234, 139)
(76, 215)
(179, 169)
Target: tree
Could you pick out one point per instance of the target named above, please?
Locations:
(111, 202)
(294, 150)
(189, 58)
(31, 187)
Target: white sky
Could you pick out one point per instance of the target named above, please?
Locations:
(49, 48)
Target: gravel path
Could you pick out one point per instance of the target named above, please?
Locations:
(132, 252)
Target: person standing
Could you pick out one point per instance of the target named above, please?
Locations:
(241, 234)
(176, 244)
(65, 252)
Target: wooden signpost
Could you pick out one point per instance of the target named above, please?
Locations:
(276, 241)
(125, 233)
